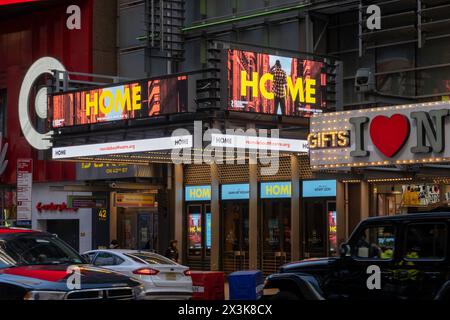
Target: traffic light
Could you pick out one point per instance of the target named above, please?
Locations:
(333, 84)
(208, 88)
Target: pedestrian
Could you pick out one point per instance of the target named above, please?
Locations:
(172, 251)
(114, 244)
(279, 87)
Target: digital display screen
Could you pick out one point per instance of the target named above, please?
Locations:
(143, 99)
(208, 230)
(264, 83)
(332, 234)
(195, 231)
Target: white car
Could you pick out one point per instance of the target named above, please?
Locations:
(163, 279)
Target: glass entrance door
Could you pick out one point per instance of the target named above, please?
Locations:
(199, 235)
(148, 231)
(235, 235)
(316, 224)
(276, 234)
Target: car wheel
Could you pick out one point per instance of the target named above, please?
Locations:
(284, 295)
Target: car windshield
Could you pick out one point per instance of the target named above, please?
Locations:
(36, 250)
(149, 258)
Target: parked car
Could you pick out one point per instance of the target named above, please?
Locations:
(396, 257)
(35, 266)
(162, 278)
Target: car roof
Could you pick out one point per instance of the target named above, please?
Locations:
(7, 230)
(123, 251)
(411, 216)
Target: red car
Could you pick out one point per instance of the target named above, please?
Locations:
(39, 266)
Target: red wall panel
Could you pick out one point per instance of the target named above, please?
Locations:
(24, 38)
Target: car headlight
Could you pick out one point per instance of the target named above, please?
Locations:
(44, 295)
(139, 292)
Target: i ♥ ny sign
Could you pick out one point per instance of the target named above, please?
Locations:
(405, 134)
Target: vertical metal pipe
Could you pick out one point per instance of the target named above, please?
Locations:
(215, 218)
(360, 29)
(295, 209)
(253, 216)
(179, 221)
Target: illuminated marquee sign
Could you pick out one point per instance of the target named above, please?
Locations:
(147, 98)
(119, 147)
(133, 200)
(264, 83)
(280, 189)
(197, 193)
(328, 139)
(258, 143)
(404, 134)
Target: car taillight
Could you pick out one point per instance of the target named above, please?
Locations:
(146, 272)
(187, 273)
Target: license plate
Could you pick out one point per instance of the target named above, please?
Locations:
(171, 276)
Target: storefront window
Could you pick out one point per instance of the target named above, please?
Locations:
(315, 227)
(277, 226)
(8, 214)
(235, 242)
(393, 199)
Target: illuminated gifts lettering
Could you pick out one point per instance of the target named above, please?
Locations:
(329, 139)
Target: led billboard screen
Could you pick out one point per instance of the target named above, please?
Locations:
(264, 83)
(126, 101)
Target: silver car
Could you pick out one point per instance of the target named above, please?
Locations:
(162, 278)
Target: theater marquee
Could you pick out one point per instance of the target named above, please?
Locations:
(142, 99)
(271, 84)
(404, 134)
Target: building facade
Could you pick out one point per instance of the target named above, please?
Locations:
(210, 65)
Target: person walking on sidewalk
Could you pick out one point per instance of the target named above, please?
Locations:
(172, 251)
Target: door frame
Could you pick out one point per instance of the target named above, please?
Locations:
(325, 201)
(242, 226)
(204, 256)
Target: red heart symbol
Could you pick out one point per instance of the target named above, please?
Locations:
(389, 134)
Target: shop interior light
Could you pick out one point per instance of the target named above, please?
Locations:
(389, 180)
(351, 181)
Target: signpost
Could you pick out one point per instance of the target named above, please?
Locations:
(24, 187)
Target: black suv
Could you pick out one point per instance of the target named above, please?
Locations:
(397, 257)
(40, 266)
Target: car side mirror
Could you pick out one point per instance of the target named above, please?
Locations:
(345, 250)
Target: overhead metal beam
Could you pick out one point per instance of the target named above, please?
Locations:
(322, 33)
